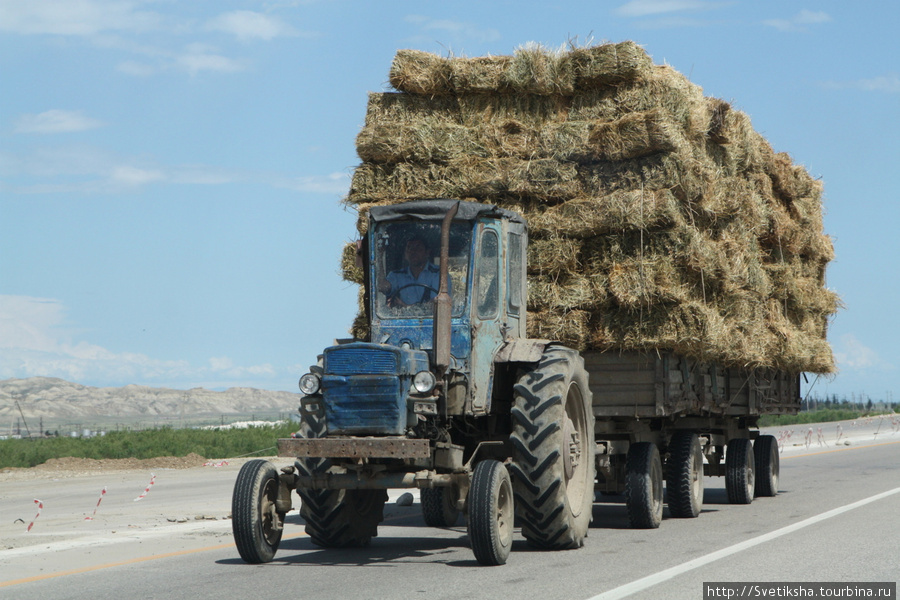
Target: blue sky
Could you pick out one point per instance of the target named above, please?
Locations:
(171, 172)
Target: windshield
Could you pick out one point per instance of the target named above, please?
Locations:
(407, 268)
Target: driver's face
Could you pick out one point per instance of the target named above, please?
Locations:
(416, 253)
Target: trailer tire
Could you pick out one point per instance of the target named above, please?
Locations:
(768, 465)
(644, 486)
(255, 524)
(336, 518)
(740, 470)
(439, 506)
(491, 513)
(552, 436)
(684, 475)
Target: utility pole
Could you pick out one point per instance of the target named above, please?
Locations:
(23, 419)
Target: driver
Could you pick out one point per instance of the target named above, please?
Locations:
(411, 285)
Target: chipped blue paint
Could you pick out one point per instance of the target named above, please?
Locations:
(365, 387)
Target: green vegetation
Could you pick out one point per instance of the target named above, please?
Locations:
(226, 443)
(826, 415)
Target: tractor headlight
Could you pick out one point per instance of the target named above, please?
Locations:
(424, 382)
(310, 383)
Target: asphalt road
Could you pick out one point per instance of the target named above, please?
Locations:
(836, 518)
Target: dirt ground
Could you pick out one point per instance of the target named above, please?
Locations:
(75, 467)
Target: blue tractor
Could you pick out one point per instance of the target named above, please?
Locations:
(445, 394)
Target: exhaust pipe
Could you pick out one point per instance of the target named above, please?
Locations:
(443, 304)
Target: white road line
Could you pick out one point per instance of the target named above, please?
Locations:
(651, 580)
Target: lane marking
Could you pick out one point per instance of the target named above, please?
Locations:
(141, 559)
(642, 584)
(130, 561)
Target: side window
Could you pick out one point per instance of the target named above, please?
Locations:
(487, 282)
(514, 278)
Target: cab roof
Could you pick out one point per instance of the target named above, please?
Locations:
(435, 209)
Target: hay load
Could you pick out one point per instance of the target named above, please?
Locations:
(658, 217)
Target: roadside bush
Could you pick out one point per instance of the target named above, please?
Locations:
(152, 443)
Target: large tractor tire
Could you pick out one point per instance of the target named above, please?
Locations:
(553, 459)
(336, 518)
(684, 475)
(255, 522)
(644, 486)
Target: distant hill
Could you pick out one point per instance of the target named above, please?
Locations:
(59, 401)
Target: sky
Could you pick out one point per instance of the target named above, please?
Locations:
(171, 173)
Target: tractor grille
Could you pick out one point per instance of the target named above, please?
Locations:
(360, 361)
(364, 404)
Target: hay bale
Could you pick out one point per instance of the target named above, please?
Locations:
(477, 110)
(425, 141)
(609, 64)
(572, 327)
(566, 292)
(535, 69)
(385, 108)
(418, 72)
(622, 210)
(658, 217)
(553, 256)
(482, 74)
(636, 135)
(351, 269)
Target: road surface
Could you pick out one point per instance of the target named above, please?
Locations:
(836, 518)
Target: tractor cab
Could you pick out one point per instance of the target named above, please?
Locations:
(445, 288)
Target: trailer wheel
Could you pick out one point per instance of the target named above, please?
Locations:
(740, 471)
(644, 486)
(684, 475)
(336, 518)
(553, 450)
(439, 506)
(491, 513)
(768, 465)
(255, 523)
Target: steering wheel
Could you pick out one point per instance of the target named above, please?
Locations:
(396, 293)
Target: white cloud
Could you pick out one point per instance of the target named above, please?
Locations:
(884, 83)
(851, 353)
(81, 169)
(130, 67)
(75, 17)
(36, 342)
(55, 121)
(134, 176)
(797, 22)
(336, 183)
(248, 25)
(809, 17)
(644, 8)
(200, 57)
(457, 29)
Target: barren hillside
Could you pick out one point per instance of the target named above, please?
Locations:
(57, 400)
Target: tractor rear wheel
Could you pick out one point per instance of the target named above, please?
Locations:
(553, 450)
(336, 518)
(439, 506)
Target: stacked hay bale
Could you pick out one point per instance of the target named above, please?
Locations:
(658, 218)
